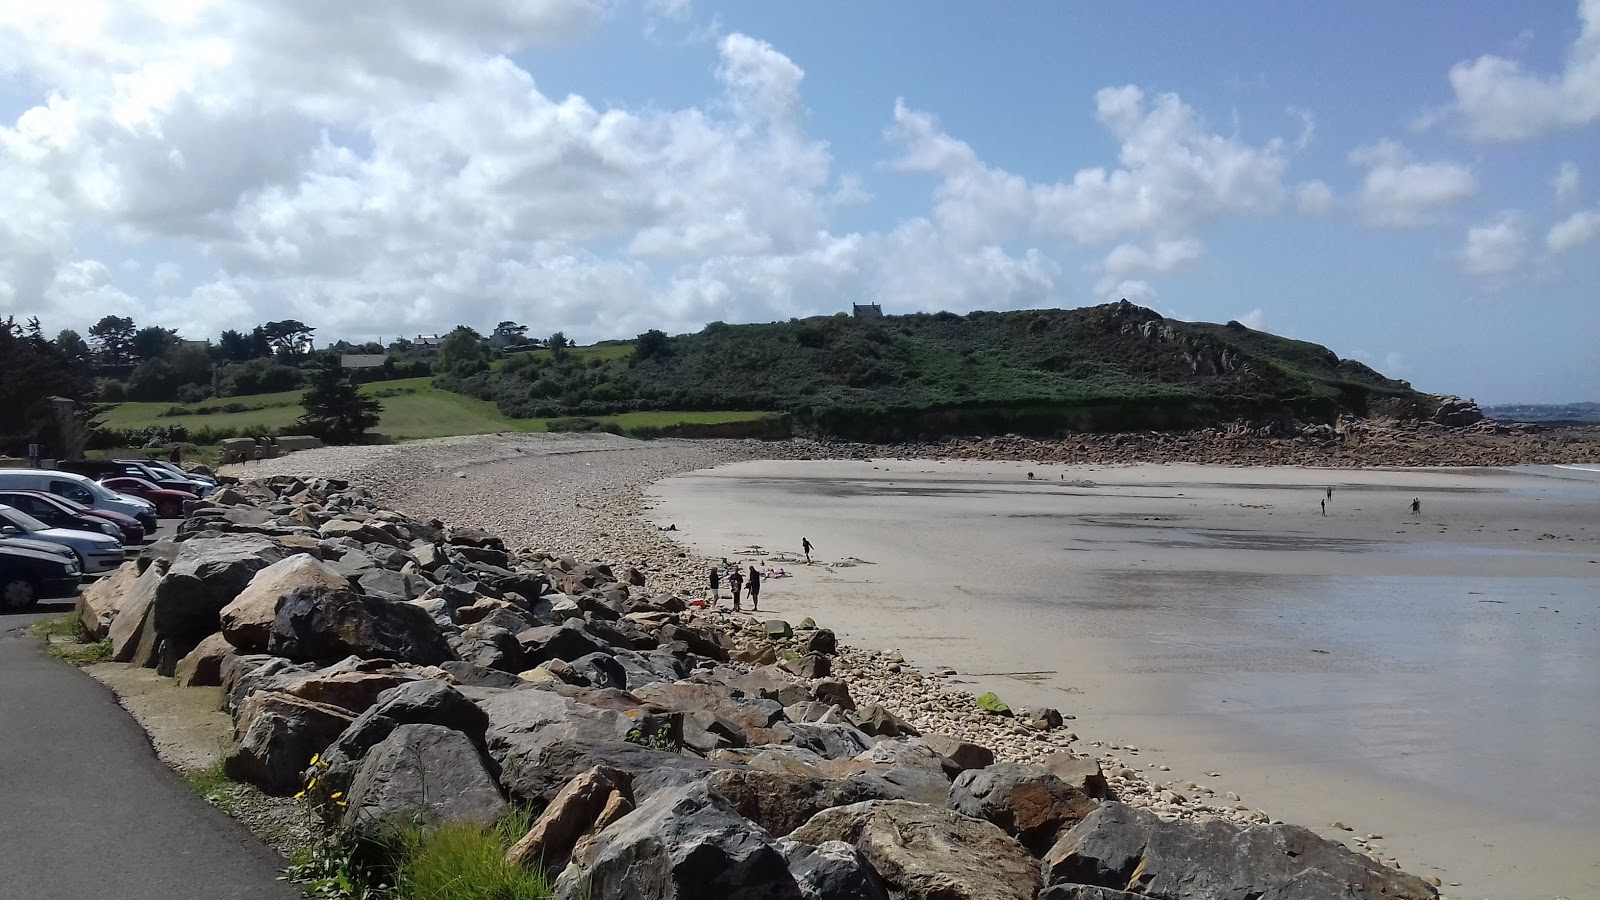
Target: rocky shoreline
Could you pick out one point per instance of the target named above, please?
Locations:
(355, 627)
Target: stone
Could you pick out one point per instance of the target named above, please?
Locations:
(925, 852)
(384, 583)
(133, 615)
(809, 666)
(816, 711)
(321, 623)
(424, 775)
(684, 842)
(833, 870)
(778, 629)
(422, 702)
(807, 624)
(1086, 892)
(820, 641)
(98, 603)
(830, 741)
(533, 772)
(353, 564)
(780, 802)
(991, 703)
(600, 670)
(910, 767)
(964, 754)
(833, 693)
(634, 577)
(873, 719)
(1026, 801)
(206, 576)
(1042, 719)
(247, 620)
(478, 676)
(1118, 846)
(354, 691)
(1083, 774)
(700, 642)
(203, 666)
(573, 813)
(567, 642)
(275, 736)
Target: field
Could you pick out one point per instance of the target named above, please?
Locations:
(412, 408)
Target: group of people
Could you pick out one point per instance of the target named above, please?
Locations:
(1416, 503)
(738, 582)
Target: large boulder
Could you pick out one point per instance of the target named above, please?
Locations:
(206, 576)
(1027, 802)
(98, 604)
(1120, 847)
(351, 689)
(275, 736)
(1083, 774)
(247, 620)
(534, 773)
(781, 802)
(927, 853)
(964, 754)
(203, 666)
(830, 741)
(421, 775)
(329, 623)
(423, 702)
(132, 621)
(566, 642)
(571, 815)
(682, 843)
(832, 870)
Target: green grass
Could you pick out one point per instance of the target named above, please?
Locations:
(211, 784)
(461, 861)
(412, 408)
(607, 352)
(65, 639)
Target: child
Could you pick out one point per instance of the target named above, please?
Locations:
(735, 581)
(716, 586)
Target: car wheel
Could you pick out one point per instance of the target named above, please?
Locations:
(18, 593)
(171, 510)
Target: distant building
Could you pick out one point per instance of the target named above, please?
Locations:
(362, 360)
(203, 344)
(867, 311)
(428, 344)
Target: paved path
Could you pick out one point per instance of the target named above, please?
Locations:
(87, 811)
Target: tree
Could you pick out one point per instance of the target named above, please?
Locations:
(335, 409)
(559, 345)
(509, 332)
(32, 371)
(650, 344)
(74, 350)
(462, 353)
(235, 346)
(289, 338)
(113, 339)
(153, 342)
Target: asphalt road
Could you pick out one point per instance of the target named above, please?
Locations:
(87, 811)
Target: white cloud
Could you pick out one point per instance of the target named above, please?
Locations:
(1496, 248)
(1574, 231)
(1255, 319)
(1565, 182)
(1399, 191)
(676, 10)
(1314, 198)
(1502, 101)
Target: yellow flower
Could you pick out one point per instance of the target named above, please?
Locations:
(337, 794)
(311, 784)
(316, 758)
(300, 796)
(341, 803)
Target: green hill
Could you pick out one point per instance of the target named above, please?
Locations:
(1111, 367)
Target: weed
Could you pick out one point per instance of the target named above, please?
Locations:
(332, 871)
(212, 784)
(661, 739)
(65, 638)
(463, 861)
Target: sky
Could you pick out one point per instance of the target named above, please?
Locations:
(1412, 187)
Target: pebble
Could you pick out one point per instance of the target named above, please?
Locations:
(1165, 768)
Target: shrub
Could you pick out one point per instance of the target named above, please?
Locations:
(174, 411)
(583, 425)
(462, 861)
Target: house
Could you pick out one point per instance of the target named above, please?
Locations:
(428, 344)
(362, 360)
(867, 310)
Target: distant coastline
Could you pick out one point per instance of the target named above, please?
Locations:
(1545, 413)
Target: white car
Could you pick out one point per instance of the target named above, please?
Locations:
(80, 489)
(97, 553)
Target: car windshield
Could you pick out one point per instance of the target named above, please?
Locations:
(102, 492)
(19, 519)
(73, 505)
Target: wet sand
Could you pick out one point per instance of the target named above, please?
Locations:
(1434, 679)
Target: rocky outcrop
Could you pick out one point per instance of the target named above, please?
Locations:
(421, 775)
(320, 623)
(1027, 802)
(1120, 847)
(926, 853)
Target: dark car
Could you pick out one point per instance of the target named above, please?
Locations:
(28, 575)
(169, 503)
(101, 469)
(59, 512)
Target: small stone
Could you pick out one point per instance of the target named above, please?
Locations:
(1433, 880)
(991, 703)
(1342, 826)
(1231, 796)
(1165, 768)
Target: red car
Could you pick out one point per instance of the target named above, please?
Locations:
(59, 512)
(169, 504)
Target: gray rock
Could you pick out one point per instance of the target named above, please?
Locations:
(820, 641)
(780, 802)
(830, 741)
(424, 702)
(834, 693)
(964, 754)
(873, 719)
(203, 666)
(421, 774)
(1083, 774)
(320, 623)
(565, 642)
(477, 676)
(491, 646)
(601, 670)
(928, 853)
(1086, 892)
(206, 576)
(911, 768)
(809, 666)
(133, 615)
(1027, 802)
(832, 870)
(353, 564)
(681, 843)
(383, 583)
(1121, 847)
(534, 772)
(275, 736)
(247, 619)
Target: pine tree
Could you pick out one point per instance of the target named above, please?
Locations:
(335, 410)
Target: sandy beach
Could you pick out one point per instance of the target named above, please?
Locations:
(1429, 679)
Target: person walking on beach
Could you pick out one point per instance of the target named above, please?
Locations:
(1330, 493)
(754, 588)
(735, 582)
(805, 544)
(716, 585)
(1416, 506)
(1324, 506)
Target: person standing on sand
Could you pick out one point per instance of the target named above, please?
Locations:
(735, 581)
(716, 585)
(805, 544)
(754, 587)
(1416, 506)
(1324, 506)
(1330, 493)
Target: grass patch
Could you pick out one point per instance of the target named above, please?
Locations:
(212, 784)
(461, 861)
(65, 639)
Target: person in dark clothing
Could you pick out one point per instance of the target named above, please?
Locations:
(1416, 506)
(1324, 506)
(754, 588)
(805, 544)
(716, 585)
(735, 582)
(176, 456)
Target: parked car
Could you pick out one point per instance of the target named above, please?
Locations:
(206, 481)
(169, 503)
(158, 473)
(132, 530)
(97, 553)
(54, 511)
(79, 489)
(101, 469)
(28, 575)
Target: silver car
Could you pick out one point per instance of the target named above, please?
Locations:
(97, 553)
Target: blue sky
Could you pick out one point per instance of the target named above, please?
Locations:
(1416, 189)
